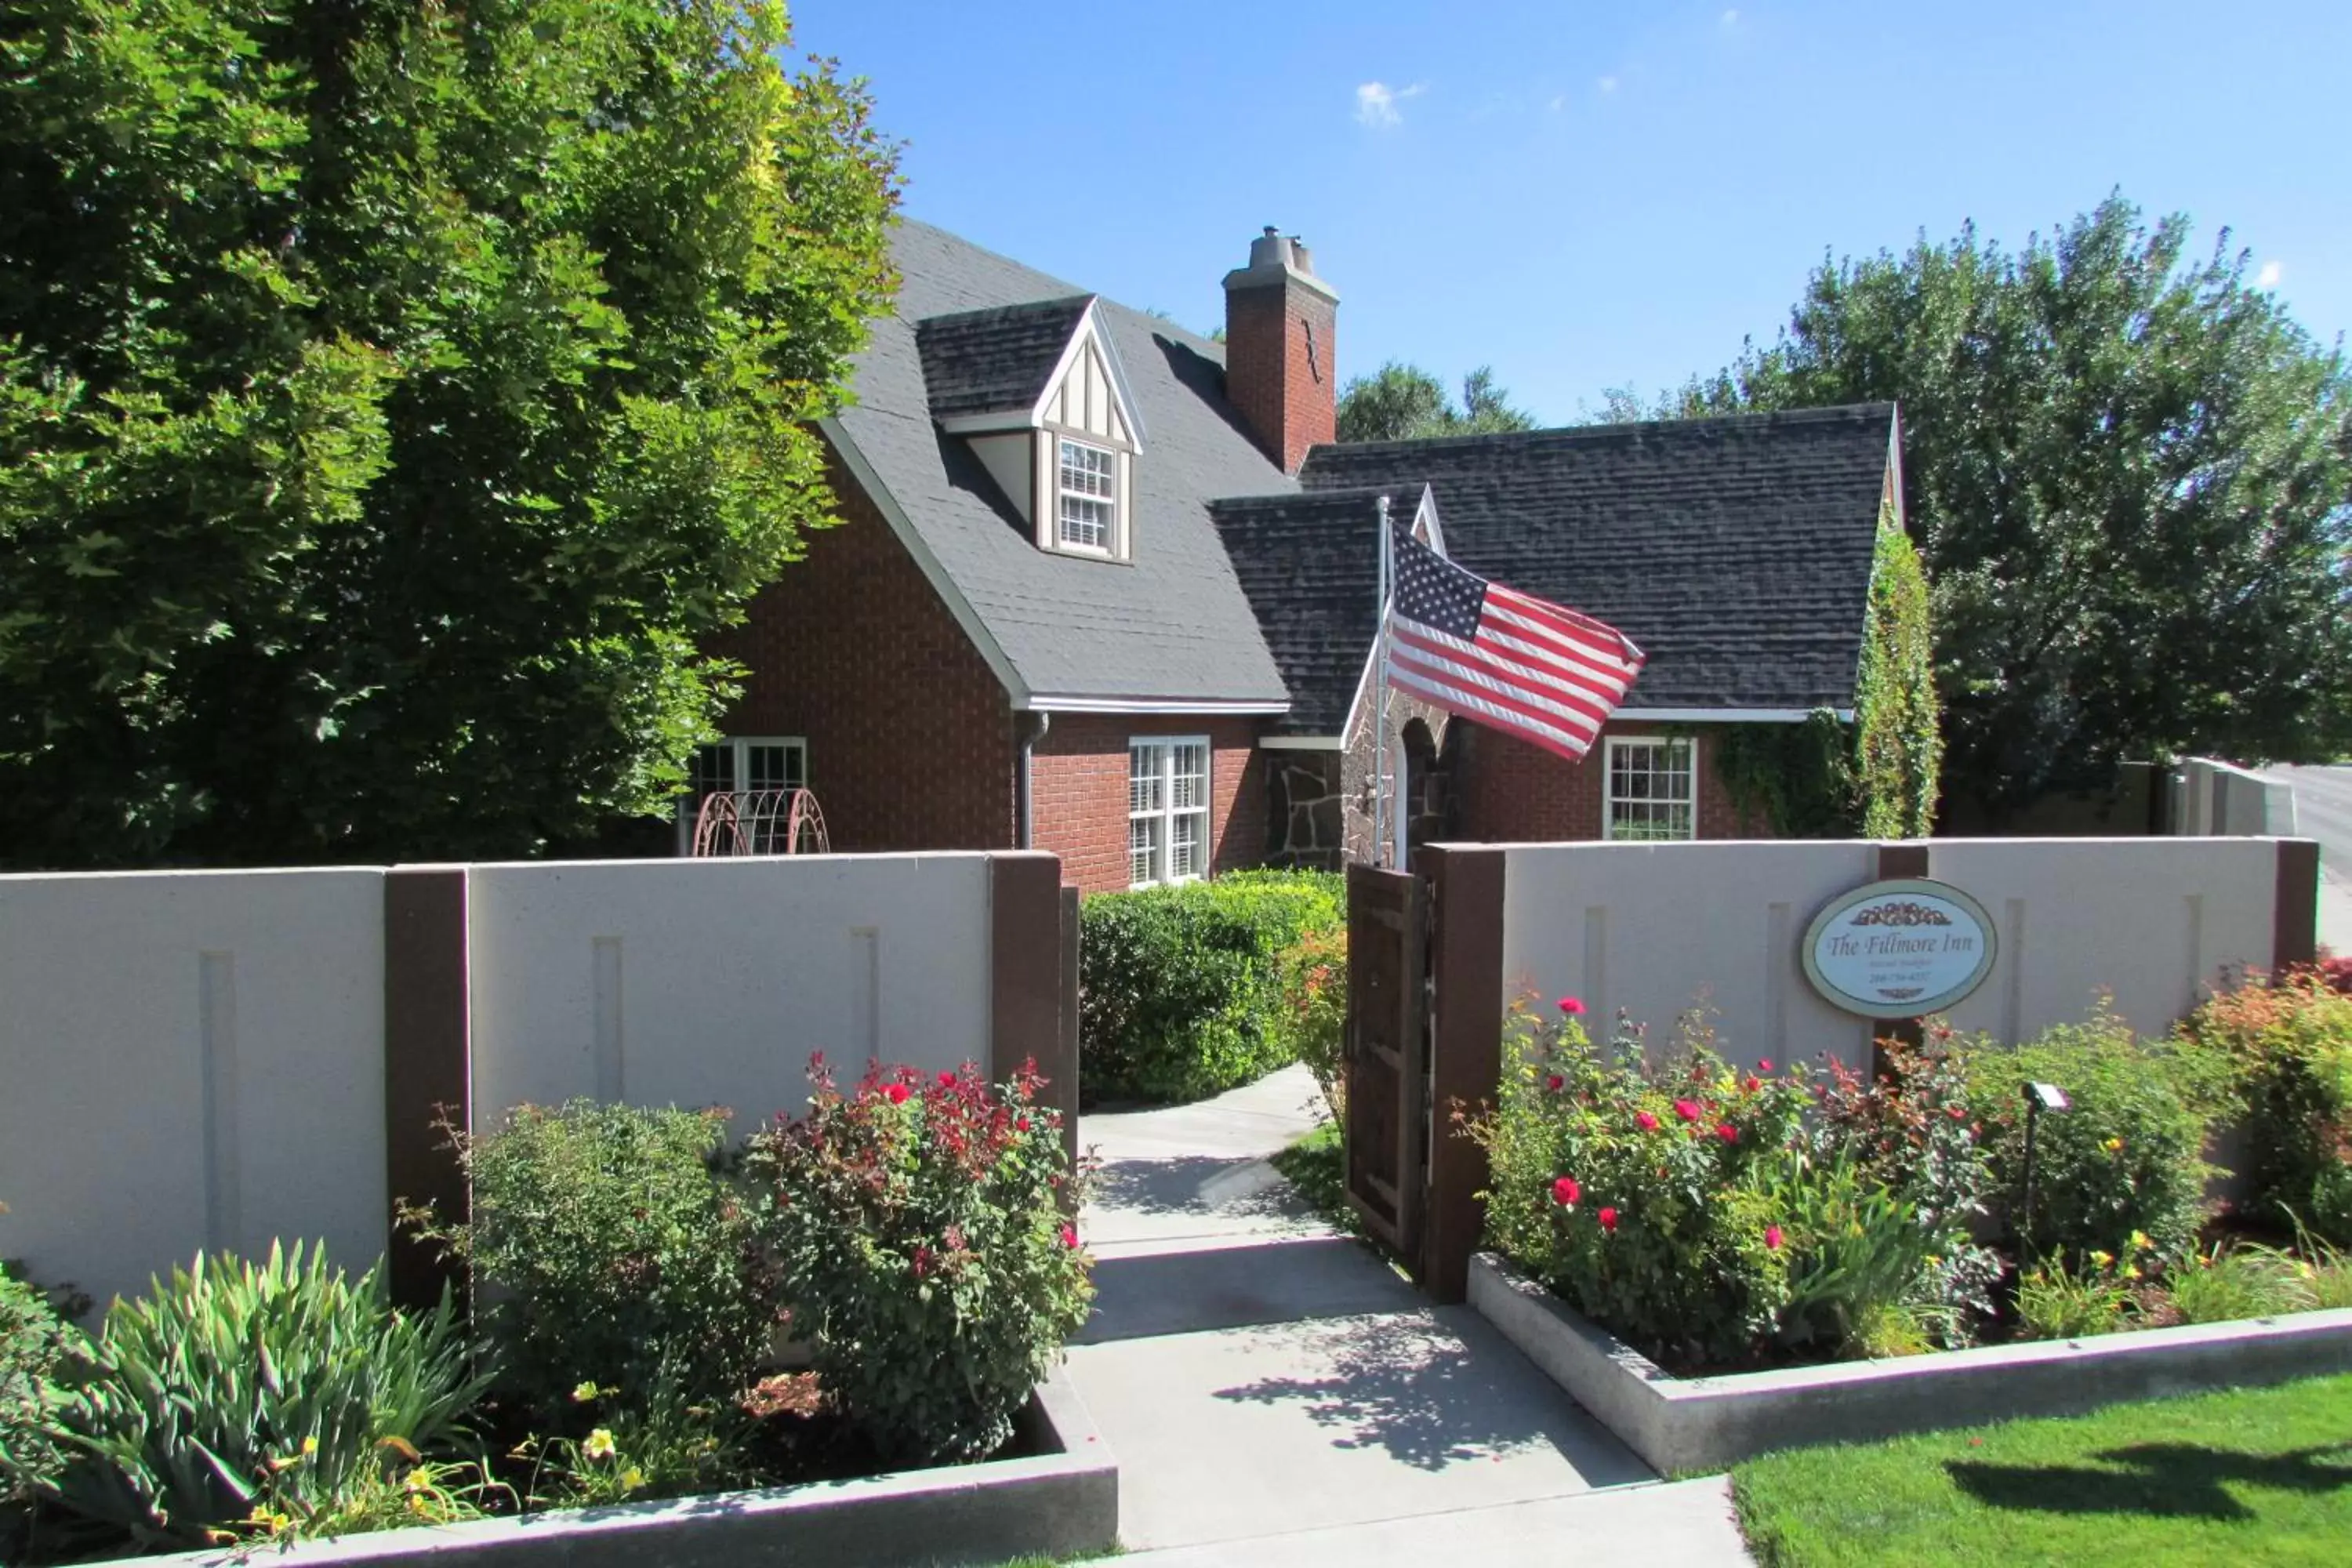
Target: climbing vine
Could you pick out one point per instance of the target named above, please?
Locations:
(1877, 776)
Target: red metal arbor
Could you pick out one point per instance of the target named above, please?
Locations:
(760, 822)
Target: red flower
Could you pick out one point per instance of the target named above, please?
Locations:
(1957, 1112)
(1608, 1219)
(1772, 1238)
(1570, 1006)
(1554, 1082)
(1764, 1064)
(1645, 1122)
(1752, 1084)
(1022, 1125)
(1727, 1133)
(1565, 1192)
(946, 1080)
(1687, 1109)
(1070, 1236)
(896, 1093)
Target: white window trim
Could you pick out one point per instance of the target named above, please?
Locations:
(739, 771)
(1167, 812)
(1609, 783)
(1112, 523)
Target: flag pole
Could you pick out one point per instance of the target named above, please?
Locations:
(1381, 702)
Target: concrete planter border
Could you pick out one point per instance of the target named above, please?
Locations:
(1682, 1426)
(1061, 1502)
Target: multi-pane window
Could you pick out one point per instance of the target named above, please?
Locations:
(1167, 811)
(1653, 788)
(1089, 496)
(746, 764)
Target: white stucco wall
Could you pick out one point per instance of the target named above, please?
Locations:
(709, 981)
(1659, 928)
(189, 1060)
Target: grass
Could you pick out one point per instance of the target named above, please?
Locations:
(2247, 1475)
(1317, 1165)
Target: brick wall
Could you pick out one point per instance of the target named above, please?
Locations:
(909, 735)
(1079, 792)
(1510, 791)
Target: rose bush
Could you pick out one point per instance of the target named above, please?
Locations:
(2289, 1042)
(922, 1224)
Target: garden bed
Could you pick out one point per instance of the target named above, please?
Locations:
(1699, 1424)
(1060, 1500)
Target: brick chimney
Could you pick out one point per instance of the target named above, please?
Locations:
(1278, 364)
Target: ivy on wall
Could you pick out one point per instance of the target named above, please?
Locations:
(1877, 776)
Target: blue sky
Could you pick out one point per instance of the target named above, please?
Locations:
(1591, 193)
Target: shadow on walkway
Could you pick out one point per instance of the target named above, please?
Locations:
(1137, 1297)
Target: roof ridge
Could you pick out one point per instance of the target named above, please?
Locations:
(1620, 427)
(1059, 301)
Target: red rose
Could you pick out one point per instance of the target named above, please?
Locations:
(1565, 1192)
(1727, 1133)
(896, 1093)
(1753, 1083)
(1772, 1238)
(1608, 1219)
(1022, 1125)
(1687, 1109)
(1070, 1237)
(1765, 1065)
(1570, 1006)
(1554, 1083)
(946, 1080)
(1645, 1122)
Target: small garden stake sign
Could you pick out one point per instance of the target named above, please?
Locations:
(1899, 949)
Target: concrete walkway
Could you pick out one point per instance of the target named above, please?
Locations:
(1275, 1392)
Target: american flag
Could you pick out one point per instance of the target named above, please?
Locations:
(1500, 656)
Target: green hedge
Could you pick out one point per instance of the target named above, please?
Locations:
(1181, 995)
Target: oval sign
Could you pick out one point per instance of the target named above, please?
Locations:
(1899, 949)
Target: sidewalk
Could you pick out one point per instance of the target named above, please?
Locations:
(1275, 1392)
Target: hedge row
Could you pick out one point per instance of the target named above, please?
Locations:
(1180, 992)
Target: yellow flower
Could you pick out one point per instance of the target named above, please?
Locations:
(599, 1446)
(2102, 1258)
(632, 1478)
(309, 1447)
(2131, 1271)
(417, 1479)
(2140, 1242)
(1933, 1261)
(2113, 1145)
(585, 1393)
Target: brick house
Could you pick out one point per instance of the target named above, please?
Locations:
(1107, 588)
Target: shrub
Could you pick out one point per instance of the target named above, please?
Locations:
(1180, 988)
(1314, 972)
(2054, 1304)
(2247, 1280)
(1633, 1193)
(623, 1258)
(33, 1343)
(930, 1258)
(2290, 1042)
(2127, 1157)
(285, 1388)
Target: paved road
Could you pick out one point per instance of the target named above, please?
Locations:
(2323, 810)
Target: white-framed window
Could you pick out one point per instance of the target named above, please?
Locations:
(1166, 809)
(1087, 497)
(1652, 787)
(745, 762)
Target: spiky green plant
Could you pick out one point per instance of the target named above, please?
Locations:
(231, 1382)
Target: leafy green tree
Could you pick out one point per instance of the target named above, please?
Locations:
(2130, 474)
(1405, 403)
(394, 396)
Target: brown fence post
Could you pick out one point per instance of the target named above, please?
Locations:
(1026, 964)
(1894, 861)
(428, 1067)
(1071, 1068)
(1465, 1045)
(2294, 918)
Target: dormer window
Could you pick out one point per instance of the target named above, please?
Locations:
(1089, 496)
(1036, 393)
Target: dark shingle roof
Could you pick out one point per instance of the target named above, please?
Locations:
(1174, 623)
(1309, 565)
(1735, 551)
(998, 360)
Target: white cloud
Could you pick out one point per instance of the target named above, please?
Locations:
(2268, 277)
(1608, 84)
(1376, 103)
(1731, 18)
(1558, 103)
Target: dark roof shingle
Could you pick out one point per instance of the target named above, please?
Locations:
(1735, 551)
(997, 360)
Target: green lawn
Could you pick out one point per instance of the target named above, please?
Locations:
(1317, 1166)
(2252, 1475)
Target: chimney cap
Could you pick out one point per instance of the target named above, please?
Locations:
(1275, 257)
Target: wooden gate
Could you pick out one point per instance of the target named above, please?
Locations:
(1386, 1056)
